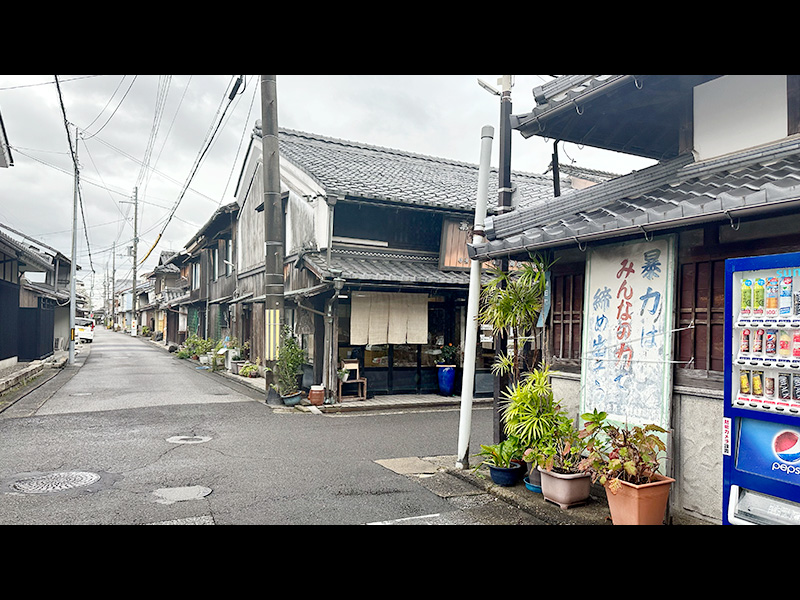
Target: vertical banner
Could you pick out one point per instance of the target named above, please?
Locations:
(272, 322)
(626, 369)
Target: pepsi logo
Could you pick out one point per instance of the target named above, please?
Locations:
(787, 446)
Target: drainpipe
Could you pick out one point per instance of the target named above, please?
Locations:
(471, 342)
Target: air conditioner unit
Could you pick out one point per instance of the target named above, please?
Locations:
(58, 343)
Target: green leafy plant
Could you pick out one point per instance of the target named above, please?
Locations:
(561, 448)
(511, 302)
(289, 365)
(343, 374)
(197, 345)
(621, 453)
(500, 455)
(528, 410)
(249, 369)
(449, 355)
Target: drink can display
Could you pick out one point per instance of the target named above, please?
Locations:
(747, 297)
(758, 341)
(796, 344)
(744, 382)
(784, 343)
(771, 341)
(785, 300)
(758, 388)
(772, 289)
(744, 345)
(796, 387)
(758, 297)
(796, 303)
(769, 386)
(784, 386)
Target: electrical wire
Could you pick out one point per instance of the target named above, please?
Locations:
(106, 106)
(197, 164)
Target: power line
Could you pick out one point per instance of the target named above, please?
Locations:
(199, 160)
(106, 106)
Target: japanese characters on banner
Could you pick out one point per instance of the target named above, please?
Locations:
(627, 334)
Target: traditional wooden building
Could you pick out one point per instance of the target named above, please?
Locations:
(376, 267)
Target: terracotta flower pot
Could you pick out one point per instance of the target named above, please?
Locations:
(643, 504)
(565, 489)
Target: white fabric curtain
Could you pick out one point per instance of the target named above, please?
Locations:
(387, 317)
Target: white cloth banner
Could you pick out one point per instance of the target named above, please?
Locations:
(387, 317)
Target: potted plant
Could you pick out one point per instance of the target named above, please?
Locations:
(343, 374)
(447, 369)
(503, 470)
(626, 461)
(249, 369)
(558, 457)
(288, 368)
(529, 411)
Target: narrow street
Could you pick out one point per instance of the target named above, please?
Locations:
(136, 436)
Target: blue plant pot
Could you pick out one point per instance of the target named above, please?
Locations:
(447, 377)
(292, 400)
(506, 476)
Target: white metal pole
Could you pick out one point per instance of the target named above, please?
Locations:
(471, 342)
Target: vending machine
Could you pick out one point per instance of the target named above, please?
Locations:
(761, 425)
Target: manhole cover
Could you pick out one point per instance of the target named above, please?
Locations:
(55, 482)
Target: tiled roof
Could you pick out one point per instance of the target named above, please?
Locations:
(657, 198)
(372, 172)
(368, 266)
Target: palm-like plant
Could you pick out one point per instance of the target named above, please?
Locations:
(511, 302)
(529, 411)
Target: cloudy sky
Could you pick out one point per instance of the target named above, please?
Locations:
(149, 133)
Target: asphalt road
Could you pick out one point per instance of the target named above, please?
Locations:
(136, 436)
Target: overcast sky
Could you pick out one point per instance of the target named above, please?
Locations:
(147, 132)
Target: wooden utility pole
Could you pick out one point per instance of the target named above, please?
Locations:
(273, 226)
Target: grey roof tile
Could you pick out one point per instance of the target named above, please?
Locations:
(368, 266)
(373, 172)
(660, 196)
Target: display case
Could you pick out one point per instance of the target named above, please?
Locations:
(761, 430)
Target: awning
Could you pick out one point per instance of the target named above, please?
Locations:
(241, 298)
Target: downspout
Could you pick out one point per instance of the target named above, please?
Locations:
(471, 341)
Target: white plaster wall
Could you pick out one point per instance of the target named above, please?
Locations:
(735, 112)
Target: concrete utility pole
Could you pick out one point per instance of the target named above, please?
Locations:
(503, 206)
(72, 268)
(471, 341)
(273, 226)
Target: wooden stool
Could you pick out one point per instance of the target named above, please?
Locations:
(358, 381)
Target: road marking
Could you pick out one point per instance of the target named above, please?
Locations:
(432, 516)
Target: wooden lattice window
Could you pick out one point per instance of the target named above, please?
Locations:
(700, 347)
(566, 313)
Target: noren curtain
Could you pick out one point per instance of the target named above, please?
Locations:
(388, 318)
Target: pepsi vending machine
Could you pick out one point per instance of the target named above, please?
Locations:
(761, 429)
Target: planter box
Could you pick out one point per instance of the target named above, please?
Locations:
(644, 504)
(566, 489)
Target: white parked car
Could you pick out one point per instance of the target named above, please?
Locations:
(84, 330)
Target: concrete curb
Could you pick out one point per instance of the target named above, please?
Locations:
(21, 376)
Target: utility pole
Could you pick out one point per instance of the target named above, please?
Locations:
(72, 268)
(273, 227)
(134, 319)
(113, 286)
